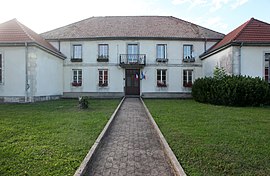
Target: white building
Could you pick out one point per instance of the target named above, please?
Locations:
(244, 51)
(150, 56)
(30, 68)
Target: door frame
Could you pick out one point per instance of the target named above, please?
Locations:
(138, 92)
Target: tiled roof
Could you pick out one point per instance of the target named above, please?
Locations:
(253, 32)
(15, 32)
(132, 27)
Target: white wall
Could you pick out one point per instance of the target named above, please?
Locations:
(223, 59)
(252, 61)
(49, 74)
(13, 71)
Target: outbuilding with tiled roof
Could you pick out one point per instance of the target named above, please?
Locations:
(31, 68)
(244, 51)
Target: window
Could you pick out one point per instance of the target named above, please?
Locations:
(77, 77)
(103, 78)
(187, 78)
(103, 51)
(266, 67)
(161, 52)
(188, 53)
(1, 69)
(133, 53)
(77, 52)
(161, 78)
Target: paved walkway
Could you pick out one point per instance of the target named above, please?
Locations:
(131, 146)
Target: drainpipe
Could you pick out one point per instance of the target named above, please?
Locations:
(26, 72)
(205, 42)
(240, 57)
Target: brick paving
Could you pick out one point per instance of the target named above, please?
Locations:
(131, 146)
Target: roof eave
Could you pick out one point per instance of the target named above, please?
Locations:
(134, 38)
(235, 43)
(31, 43)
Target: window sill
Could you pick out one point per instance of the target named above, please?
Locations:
(103, 59)
(75, 60)
(161, 60)
(76, 84)
(189, 60)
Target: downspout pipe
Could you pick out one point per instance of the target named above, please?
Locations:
(27, 86)
(240, 57)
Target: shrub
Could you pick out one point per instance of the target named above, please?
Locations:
(231, 90)
(83, 103)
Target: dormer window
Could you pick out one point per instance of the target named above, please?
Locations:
(188, 55)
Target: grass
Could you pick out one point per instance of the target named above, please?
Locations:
(49, 138)
(215, 140)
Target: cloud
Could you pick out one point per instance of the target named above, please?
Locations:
(213, 5)
(217, 4)
(238, 3)
(191, 2)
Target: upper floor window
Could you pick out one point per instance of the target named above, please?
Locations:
(188, 53)
(103, 50)
(103, 78)
(161, 52)
(77, 52)
(1, 69)
(77, 77)
(187, 78)
(161, 78)
(132, 53)
(267, 67)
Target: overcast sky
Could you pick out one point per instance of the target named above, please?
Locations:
(219, 15)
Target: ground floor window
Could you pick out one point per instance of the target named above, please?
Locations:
(266, 67)
(1, 69)
(187, 78)
(103, 78)
(161, 78)
(77, 77)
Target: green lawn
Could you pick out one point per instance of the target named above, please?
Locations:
(215, 140)
(49, 138)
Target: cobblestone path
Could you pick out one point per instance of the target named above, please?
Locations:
(131, 147)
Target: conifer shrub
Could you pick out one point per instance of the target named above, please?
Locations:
(231, 90)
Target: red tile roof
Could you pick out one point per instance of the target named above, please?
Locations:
(252, 31)
(132, 27)
(15, 32)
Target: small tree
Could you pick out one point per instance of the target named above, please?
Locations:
(83, 102)
(219, 73)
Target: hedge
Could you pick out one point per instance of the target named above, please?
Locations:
(231, 91)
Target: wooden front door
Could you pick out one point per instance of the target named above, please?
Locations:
(132, 81)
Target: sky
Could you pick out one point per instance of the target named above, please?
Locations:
(219, 15)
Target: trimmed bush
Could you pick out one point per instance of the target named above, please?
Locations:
(231, 91)
(83, 102)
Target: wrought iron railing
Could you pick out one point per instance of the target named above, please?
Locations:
(129, 59)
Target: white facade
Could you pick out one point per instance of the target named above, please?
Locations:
(116, 74)
(238, 60)
(30, 74)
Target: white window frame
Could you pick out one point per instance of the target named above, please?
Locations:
(161, 51)
(103, 50)
(187, 81)
(188, 54)
(133, 52)
(77, 51)
(102, 82)
(162, 82)
(77, 77)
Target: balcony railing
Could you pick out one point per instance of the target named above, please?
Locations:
(132, 60)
